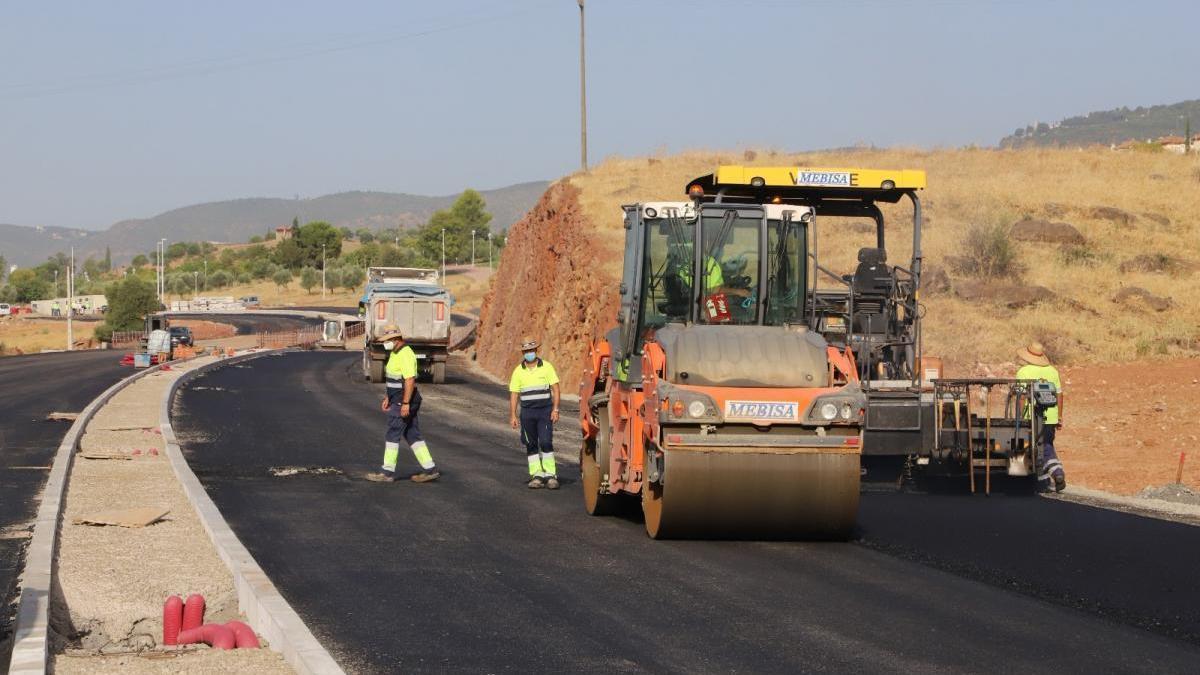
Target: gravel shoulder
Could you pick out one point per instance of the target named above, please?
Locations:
(113, 580)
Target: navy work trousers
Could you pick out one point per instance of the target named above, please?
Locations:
(537, 431)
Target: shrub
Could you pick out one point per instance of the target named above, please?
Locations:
(220, 279)
(309, 279)
(988, 251)
(1081, 255)
(282, 278)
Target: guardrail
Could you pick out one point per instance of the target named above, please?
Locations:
(304, 337)
(122, 338)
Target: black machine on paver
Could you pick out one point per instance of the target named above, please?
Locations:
(876, 312)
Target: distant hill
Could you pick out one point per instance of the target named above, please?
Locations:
(239, 219)
(1108, 126)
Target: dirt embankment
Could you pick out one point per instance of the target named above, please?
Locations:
(556, 283)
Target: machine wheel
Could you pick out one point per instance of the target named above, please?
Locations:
(652, 494)
(592, 455)
(376, 370)
(437, 372)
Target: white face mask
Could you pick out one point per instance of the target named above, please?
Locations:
(389, 345)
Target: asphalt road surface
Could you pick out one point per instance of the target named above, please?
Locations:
(478, 573)
(32, 387)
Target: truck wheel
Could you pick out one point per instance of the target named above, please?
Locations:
(376, 372)
(437, 372)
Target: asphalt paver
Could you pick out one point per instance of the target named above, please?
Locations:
(478, 573)
(32, 387)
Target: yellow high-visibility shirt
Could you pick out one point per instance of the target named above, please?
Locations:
(533, 384)
(713, 277)
(401, 364)
(1049, 374)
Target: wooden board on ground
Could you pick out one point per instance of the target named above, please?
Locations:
(135, 517)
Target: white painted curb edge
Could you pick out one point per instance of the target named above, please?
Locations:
(266, 610)
(32, 625)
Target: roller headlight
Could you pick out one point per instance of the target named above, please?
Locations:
(846, 411)
(697, 409)
(828, 411)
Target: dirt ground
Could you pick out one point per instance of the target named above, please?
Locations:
(19, 334)
(1125, 425)
(206, 330)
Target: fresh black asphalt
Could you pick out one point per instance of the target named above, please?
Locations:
(478, 573)
(32, 387)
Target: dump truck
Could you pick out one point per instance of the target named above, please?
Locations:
(714, 401)
(414, 301)
(918, 423)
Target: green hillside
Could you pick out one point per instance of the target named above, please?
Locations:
(1109, 126)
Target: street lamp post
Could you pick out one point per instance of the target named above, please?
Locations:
(489, 249)
(322, 271)
(472, 248)
(443, 255)
(71, 302)
(206, 275)
(195, 284)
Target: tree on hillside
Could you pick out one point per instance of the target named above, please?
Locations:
(220, 279)
(3, 268)
(107, 259)
(129, 300)
(27, 286)
(139, 260)
(364, 235)
(352, 277)
(288, 254)
(282, 278)
(309, 279)
(347, 233)
(469, 212)
(333, 277)
(312, 236)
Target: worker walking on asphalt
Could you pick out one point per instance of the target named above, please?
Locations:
(402, 403)
(1037, 367)
(534, 386)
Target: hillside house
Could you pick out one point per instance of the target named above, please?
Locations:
(283, 232)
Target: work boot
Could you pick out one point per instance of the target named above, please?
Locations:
(536, 483)
(552, 482)
(1060, 481)
(382, 477)
(426, 476)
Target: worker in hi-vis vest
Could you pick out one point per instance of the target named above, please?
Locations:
(534, 387)
(402, 403)
(1036, 366)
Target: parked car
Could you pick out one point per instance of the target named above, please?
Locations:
(181, 335)
(5, 309)
(250, 301)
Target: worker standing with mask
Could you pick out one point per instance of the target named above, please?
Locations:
(534, 387)
(402, 403)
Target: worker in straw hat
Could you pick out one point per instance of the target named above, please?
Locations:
(534, 387)
(1036, 366)
(402, 403)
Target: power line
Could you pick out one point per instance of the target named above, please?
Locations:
(209, 65)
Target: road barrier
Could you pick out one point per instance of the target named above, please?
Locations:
(304, 337)
(123, 338)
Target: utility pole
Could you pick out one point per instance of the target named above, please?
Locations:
(472, 248)
(1187, 136)
(443, 255)
(195, 284)
(71, 302)
(582, 96)
(322, 271)
(206, 275)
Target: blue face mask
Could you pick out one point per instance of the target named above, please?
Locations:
(531, 357)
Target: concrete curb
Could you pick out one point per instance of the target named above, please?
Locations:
(266, 610)
(1142, 506)
(31, 630)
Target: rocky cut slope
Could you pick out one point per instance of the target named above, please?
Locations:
(556, 283)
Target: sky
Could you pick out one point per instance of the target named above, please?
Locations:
(125, 109)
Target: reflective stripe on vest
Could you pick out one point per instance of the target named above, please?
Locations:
(535, 394)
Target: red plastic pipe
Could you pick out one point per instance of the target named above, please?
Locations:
(172, 620)
(193, 611)
(244, 635)
(213, 634)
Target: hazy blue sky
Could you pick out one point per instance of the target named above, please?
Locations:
(124, 109)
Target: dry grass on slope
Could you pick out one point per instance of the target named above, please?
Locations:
(1081, 323)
